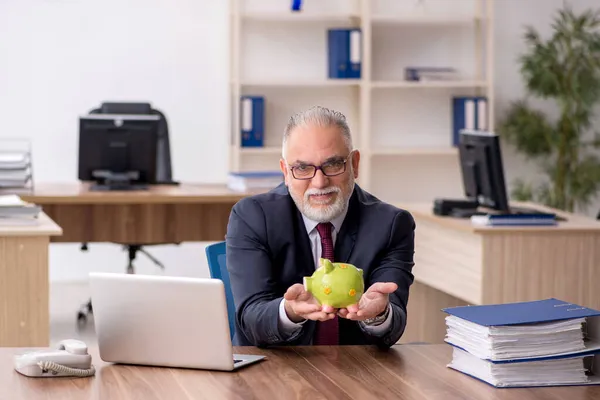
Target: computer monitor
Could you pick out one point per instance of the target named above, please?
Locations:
(482, 170)
(118, 151)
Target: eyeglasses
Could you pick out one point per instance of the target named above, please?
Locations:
(330, 168)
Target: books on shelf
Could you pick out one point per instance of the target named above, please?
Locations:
(252, 113)
(244, 181)
(468, 113)
(537, 343)
(16, 212)
(427, 74)
(344, 56)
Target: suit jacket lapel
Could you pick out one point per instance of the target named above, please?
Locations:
(304, 248)
(347, 236)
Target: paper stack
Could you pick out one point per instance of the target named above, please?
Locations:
(15, 169)
(539, 343)
(16, 212)
(244, 181)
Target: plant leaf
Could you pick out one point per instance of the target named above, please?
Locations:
(522, 191)
(584, 184)
(527, 129)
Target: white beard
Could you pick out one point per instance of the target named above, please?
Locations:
(324, 213)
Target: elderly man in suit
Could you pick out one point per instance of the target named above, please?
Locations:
(276, 238)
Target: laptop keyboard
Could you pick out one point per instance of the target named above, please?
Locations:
(237, 361)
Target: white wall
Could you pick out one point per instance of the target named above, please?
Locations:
(58, 59)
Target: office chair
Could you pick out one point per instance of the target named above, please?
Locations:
(215, 253)
(164, 175)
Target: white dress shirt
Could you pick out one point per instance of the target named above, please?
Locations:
(290, 327)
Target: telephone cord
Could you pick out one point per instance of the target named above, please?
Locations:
(52, 366)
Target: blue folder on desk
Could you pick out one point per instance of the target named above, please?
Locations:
(532, 312)
(527, 312)
(537, 343)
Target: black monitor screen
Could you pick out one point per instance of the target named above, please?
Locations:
(114, 146)
(482, 169)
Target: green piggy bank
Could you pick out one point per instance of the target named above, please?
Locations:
(336, 284)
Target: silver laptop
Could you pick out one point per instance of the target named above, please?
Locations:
(164, 321)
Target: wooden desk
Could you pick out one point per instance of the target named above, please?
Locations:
(459, 264)
(24, 305)
(163, 214)
(405, 372)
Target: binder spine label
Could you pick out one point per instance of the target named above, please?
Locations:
(355, 55)
(470, 114)
(246, 115)
(482, 114)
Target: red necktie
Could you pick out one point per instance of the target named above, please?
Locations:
(327, 332)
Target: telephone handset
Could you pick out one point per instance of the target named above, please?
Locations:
(70, 358)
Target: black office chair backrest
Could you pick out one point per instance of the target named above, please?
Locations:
(164, 169)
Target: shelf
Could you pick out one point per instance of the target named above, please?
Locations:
(283, 56)
(299, 17)
(440, 20)
(311, 83)
(261, 150)
(428, 84)
(415, 151)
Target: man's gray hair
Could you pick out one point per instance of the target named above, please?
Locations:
(319, 116)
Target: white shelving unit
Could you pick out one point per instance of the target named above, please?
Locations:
(402, 129)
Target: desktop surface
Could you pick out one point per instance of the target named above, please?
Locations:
(345, 372)
(566, 221)
(81, 193)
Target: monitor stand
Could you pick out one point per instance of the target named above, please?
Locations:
(114, 181)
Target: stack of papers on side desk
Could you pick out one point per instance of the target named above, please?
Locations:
(16, 212)
(15, 169)
(538, 343)
(245, 181)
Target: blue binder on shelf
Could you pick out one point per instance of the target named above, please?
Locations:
(344, 55)
(252, 115)
(296, 5)
(469, 113)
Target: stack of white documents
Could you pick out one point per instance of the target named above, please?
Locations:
(16, 212)
(508, 342)
(15, 169)
(538, 343)
(552, 372)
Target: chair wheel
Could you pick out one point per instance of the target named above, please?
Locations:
(81, 318)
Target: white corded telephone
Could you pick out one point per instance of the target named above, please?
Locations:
(71, 358)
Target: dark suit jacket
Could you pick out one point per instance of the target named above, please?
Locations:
(268, 251)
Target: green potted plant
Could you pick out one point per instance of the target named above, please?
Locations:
(564, 68)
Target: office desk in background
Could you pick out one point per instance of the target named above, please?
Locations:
(459, 264)
(24, 287)
(456, 263)
(163, 214)
(409, 372)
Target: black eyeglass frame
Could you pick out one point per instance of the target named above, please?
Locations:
(320, 167)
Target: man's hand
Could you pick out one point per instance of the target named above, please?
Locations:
(300, 305)
(372, 303)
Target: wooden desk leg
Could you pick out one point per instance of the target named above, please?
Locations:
(24, 292)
